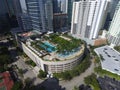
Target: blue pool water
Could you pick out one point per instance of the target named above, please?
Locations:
(67, 54)
(48, 44)
(48, 47)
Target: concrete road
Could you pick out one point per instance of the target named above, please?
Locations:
(69, 85)
(28, 71)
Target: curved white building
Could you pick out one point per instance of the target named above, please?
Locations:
(114, 30)
(53, 62)
(51, 65)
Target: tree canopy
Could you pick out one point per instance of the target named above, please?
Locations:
(67, 75)
(5, 58)
(92, 80)
(17, 86)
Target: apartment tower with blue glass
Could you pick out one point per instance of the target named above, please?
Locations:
(41, 14)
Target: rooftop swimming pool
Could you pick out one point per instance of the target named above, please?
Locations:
(51, 48)
(48, 47)
(67, 54)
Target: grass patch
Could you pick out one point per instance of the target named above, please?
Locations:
(102, 57)
(42, 74)
(117, 48)
(103, 73)
(30, 62)
(92, 81)
(64, 45)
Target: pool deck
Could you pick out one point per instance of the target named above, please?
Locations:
(54, 55)
(65, 38)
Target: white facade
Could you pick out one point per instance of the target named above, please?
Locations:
(88, 17)
(52, 66)
(114, 30)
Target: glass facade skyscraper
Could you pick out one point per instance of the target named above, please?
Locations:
(70, 5)
(60, 6)
(40, 12)
(6, 12)
(114, 29)
(6, 6)
(23, 18)
(69, 13)
(60, 16)
(56, 9)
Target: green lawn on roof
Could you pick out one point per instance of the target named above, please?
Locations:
(64, 45)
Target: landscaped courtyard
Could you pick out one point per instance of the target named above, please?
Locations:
(58, 45)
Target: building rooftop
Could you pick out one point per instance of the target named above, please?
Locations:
(107, 83)
(110, 59)
(53, 47)
(29, 33)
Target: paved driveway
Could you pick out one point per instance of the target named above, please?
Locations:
(28, 71)
(69, 85)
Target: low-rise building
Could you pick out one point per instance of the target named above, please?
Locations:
(48, 54)
(110, 59)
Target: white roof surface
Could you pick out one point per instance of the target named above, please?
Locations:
(111, 60)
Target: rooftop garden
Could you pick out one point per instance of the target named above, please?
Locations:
(61, 45)
(64, 45)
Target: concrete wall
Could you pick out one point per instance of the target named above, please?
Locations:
(53, 66)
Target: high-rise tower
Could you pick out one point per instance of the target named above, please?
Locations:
(69, 11)
(41, 14)
(23, 18)
(60, 8)
(113, 4)
(7, 13)
(114, 29)
(88, 16)
(6, 6)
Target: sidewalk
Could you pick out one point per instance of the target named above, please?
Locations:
(76, 81)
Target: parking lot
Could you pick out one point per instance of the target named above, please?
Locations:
(107, 83)
(110, 59)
